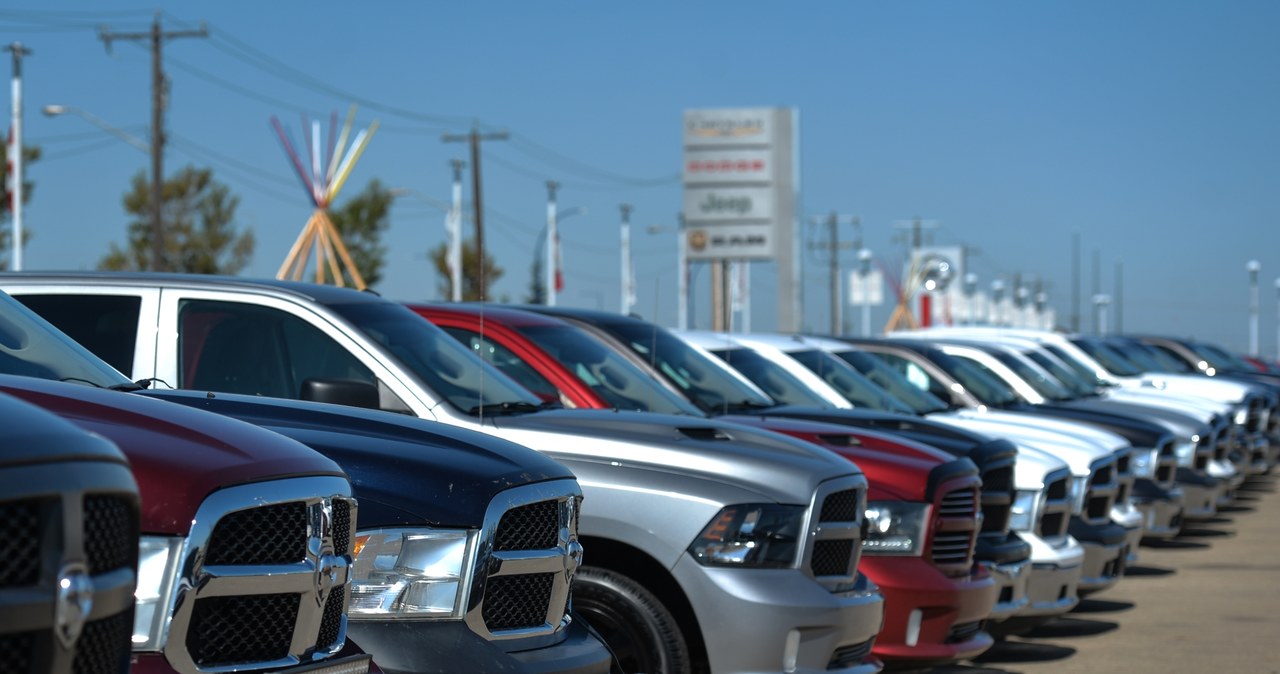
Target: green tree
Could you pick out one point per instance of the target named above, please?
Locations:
(200, 235)
(360, 222)
(30, 154)
(470, 271)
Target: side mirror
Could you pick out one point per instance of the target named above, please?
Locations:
(349, 392)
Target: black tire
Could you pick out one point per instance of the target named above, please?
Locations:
(641, 632)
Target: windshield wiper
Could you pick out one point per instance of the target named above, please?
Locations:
(746, 406)
(511, 407)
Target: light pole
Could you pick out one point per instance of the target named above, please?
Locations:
(1100, 302)
(15, 149)
(1253, 267)
(56, 110)
(997, 301)
(550, 271)
(864, 272)
(682, 270)
(628, 277)
(970, 287)
(1277, 358)
(452, 226)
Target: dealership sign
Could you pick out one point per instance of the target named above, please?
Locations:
(739, 194)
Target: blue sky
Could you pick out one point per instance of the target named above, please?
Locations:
(1147, 129)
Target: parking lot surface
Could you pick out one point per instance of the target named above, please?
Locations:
(1207, 601)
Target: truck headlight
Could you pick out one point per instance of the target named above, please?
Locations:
(409, 573)
(157, 570)
(1022, 514)
(1143, 462)
(762, 535)
(896, 528)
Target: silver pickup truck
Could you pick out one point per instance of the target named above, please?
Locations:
(707, 545)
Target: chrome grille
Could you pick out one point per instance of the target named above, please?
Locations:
(37, 510)
(959, 503)
(1100, 492)
(233, 630)
(841, 506)
(832, 558)
(248, 603)
(851, 656)
(532, 527)
(997, 498)
(522, 576)
(110, 532)
(834, 544)
(952, 547)
(963, 632)
(1055, 515)
(20, 542)
(275, 534)
(16, 651)
(518, 602)
(99, 649)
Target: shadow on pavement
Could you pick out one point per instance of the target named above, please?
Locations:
(1099, 606)
(1011, 650)
(1072, 627)
(1237, 507)
(1175, 544)
(1140, 571)
(967, 669)
(1204, 533)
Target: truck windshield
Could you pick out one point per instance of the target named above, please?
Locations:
(1109, 358)
(772, 378)
(1060, 371)
(851, 384)
(702, 378)
(31, 347)
(607, 372)
(983, 385)
(1035, 377)
(441, 363)
(920, 401)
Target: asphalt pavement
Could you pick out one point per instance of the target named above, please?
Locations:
(1207, 601)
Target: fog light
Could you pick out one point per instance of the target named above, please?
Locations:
(791, 651)
(913, 626)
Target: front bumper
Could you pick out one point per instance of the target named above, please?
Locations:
(349, 660)
(440, 646)
(1200, 494)
(1161, 509)
(929, 618)
(1129, 517)
(1104, 554)
(1054, 582)
(1011, 581)
(782, 620)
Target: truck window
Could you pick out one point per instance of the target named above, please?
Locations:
(241, 348)
(107, 325)
(510, 364)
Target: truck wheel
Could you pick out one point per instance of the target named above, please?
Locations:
(641, 632)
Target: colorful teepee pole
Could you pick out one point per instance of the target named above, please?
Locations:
(326, 169)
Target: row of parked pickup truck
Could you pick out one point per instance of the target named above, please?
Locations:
(209, 474)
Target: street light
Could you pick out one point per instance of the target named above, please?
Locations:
(547, 251)
(1253, 266)
(864, 271)
(682, 269)
(453, 228)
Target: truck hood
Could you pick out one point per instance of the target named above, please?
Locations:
(1082, 430)
(1204, 407)
(1077, 452)
(896, 468)
(43, 437)
(1219, 390)
(774, 466)
(404, 471)
(1033, 467)
(179, 455)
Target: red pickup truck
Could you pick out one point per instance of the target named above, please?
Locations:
(925, 500)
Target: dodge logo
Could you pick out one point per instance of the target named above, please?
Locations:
(75, 601)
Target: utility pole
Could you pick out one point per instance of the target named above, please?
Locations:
(474, 138)
(1119, 292)
(159, 97)
(833, 246)
(15, 150)
(1075, 282)
(455, 233)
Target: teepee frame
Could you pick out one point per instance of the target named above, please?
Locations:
(319, 236)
